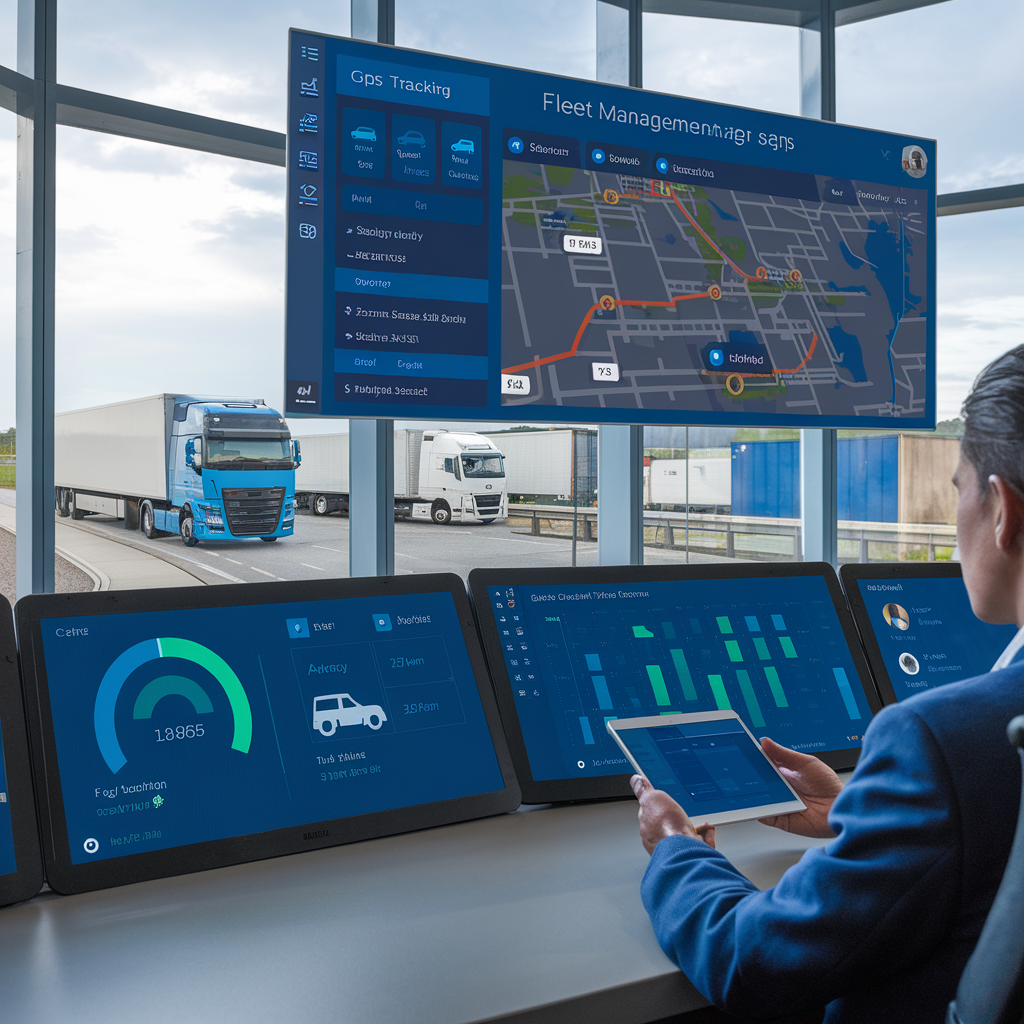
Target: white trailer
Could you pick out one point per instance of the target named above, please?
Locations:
(440, 475)
(710, 482)
(538, 463)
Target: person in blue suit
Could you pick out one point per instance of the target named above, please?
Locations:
(878, 924)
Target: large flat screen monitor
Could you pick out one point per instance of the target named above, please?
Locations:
(918, 627)
(473, 241)
(571, 649)
(185, 729)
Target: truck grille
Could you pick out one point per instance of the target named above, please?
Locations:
(253, 513)
(488, 501)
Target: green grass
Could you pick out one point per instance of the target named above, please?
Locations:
(7, 476)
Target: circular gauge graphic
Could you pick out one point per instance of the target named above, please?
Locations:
(153, 692)
(896, 615)
(909, 664)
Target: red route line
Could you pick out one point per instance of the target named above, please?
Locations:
(586, 320)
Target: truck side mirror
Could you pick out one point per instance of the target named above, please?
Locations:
(194, 453)
(296, 454)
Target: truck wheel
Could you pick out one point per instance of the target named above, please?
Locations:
(441, 512)
(320, 504)
(186, 530)
(147, 521)
(75, 513)
(269, 540)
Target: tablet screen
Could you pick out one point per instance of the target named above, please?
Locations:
(926, 633)
(771, 648)
(184, 726)
(706, 767)
(8, 861)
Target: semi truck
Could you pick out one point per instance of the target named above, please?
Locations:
(440, 475)
(207, 468)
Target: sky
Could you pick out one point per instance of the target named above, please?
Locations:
(169, 264)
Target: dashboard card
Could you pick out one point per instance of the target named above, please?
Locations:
(572, 649)
(918, 629)
(21, 863)
(177, 730)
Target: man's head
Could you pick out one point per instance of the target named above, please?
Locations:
(990, 481)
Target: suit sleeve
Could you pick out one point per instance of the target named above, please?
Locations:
(872, 903)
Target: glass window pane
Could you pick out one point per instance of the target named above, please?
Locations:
(8, 181)
(950, 71)
(535, 34)
(9, 33)
(736, 62)
(227, 59)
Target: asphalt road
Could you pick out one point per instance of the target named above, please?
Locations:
(319, 550)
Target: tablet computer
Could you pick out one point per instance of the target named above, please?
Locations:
(709, 763)
(918, 629)
(177, 730)
(21, 865)
(570, 649)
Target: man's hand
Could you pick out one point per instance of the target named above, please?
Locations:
(815, 783)
(661, 816)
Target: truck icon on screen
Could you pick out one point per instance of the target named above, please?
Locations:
(336, 710)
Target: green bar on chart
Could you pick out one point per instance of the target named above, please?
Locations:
(683, 671)
(718, 690)
(787, 647)
(747, 689)
(641, 632)
(776, 686)
(732, 648)
(658, 685)
(761, 646)
(724, 625)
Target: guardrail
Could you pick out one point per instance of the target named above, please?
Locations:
(748, 537)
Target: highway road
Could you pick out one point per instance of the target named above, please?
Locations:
(319, 550)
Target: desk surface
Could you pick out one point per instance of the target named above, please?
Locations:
(531, 917)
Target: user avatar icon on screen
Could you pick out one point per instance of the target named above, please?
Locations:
(915, 163)
(896, 615)
(909, 664)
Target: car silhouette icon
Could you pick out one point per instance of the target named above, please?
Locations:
(412, 138)
(337, 710)
(364, 133)
(463, 146)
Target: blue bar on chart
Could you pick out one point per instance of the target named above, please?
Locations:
(604, 699)
(695, 625)
(752, 624)
(779, 623)
(588, 736)
(669, 630)
(593, 662)
(847, 691)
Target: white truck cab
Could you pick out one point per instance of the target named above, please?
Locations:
(462, 479)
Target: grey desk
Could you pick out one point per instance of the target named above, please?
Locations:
(533, 917)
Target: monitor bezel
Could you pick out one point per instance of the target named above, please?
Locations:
(611, 786)
(850, 573)
(67, 877)
(27, 878)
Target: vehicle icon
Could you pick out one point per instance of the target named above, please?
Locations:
(463, 146)
(337, 710)
(412, 138)
(364, 133)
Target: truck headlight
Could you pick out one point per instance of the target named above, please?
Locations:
(212, 516)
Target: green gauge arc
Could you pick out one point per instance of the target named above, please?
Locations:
(167, 647)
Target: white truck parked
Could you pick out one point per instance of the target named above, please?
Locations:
(440, 475)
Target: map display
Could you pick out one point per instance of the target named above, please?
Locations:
(468, 241)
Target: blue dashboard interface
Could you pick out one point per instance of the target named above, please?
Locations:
(483, 242)
(7, 861)
(179, 727)
(707, 767)
(927, 633)
(771, 649)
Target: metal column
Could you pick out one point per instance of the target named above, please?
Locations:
(37, 140)
(371, 453)
(818, 447)
(620, 449)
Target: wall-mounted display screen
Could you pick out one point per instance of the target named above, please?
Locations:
(287, 721)
(571, 650)
(918, 627)
(473, 241)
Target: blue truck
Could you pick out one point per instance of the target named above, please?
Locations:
(207, 469)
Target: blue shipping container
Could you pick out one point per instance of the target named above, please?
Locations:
(766, 479)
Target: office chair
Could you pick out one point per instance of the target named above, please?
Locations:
(991, 989)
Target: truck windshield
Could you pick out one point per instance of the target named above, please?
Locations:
(482, 465)
(224, 452)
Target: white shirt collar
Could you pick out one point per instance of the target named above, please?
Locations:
(1010, 653)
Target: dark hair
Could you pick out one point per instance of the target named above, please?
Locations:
(993, 415)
